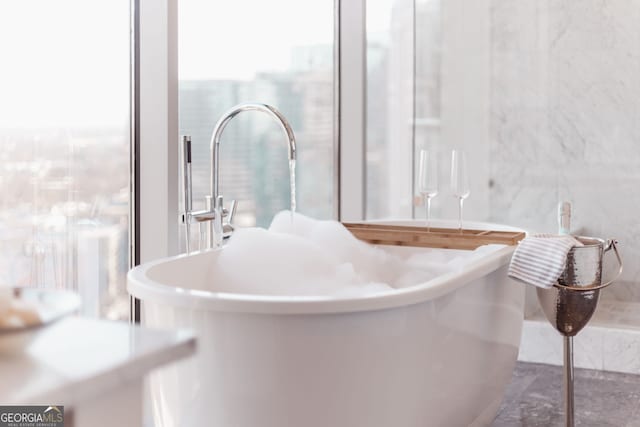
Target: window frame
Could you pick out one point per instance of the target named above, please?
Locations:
(351, 82)
(154, 100)
(154, 148)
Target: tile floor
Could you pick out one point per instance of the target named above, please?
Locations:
(602, 399)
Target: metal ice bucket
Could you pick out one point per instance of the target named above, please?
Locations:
(572, 301)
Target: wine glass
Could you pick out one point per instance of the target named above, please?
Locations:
(428, 180)
(459, 180)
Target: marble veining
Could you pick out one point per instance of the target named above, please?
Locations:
(565, 119)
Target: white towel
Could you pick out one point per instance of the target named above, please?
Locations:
(539, 260)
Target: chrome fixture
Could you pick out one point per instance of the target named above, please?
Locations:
(571, 302)
(219, 220)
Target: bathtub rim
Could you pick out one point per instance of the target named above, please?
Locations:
(140, 286)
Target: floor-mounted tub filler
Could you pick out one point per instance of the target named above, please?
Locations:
(438, 353)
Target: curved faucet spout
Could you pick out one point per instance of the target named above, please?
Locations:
(214, 212)
(222, 123)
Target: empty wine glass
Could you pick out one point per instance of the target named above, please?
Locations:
(428, 180)
(459, 180)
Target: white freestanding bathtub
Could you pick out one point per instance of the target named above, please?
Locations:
(437, 354)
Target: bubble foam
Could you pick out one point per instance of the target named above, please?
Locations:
(301, 256)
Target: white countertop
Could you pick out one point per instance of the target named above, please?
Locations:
(78, 358)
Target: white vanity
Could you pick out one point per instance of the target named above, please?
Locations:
(95, 368)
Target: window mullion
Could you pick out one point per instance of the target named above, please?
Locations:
(158, 129)
(351, 43)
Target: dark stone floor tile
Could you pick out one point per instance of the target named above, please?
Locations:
(534, 398)
(514, 392)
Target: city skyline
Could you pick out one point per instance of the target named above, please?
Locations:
(64, 127)
(57, 64)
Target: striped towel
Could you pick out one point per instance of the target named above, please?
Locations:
(539, 260)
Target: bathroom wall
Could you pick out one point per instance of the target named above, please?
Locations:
(545, 98)
(565, 119)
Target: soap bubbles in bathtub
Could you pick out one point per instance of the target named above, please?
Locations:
(308, 257)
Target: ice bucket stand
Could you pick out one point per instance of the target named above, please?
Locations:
(571, 302)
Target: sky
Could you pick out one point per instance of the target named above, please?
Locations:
(213, 32)
(66, 62)
(233, 39)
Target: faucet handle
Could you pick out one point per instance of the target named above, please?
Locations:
(227, 226)
(232, 211)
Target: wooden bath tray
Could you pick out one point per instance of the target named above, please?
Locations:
(445, 238)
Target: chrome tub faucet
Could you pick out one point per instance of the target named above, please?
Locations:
(219, 220)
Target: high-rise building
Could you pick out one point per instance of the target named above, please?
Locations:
(253, 153)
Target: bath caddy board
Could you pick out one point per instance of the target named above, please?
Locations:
(445, 238)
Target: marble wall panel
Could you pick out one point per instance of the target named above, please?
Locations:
(565, 119)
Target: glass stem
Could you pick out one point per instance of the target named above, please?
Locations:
(460, 215)
(428, 213)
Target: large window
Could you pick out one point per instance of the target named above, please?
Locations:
(403, 100)
(277, 52)
(64, 137)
